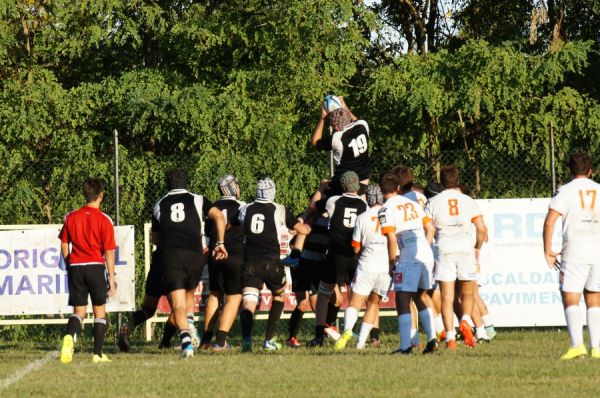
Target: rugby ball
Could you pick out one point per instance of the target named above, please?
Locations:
(331, 102)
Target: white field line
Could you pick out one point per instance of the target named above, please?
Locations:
(19, 374)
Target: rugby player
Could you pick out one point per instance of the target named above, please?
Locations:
(576, 203)
(225, 279)
(178, 221)
(457, 259)
(409, 232)
(263, 221)
(372, 279)
(341, 261)
(88, 248)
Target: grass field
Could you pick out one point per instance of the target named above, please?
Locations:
(516, 364)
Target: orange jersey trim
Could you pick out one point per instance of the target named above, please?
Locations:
(426, 220)
(387, 230)
(475, 218)
(356, 244)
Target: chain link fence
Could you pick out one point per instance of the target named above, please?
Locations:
(42, 191)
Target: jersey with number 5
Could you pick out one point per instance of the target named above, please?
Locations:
(577, 202)
(179, 218)
(406, 218)
(263, 223)
(343, 210)
(350, 149)
(453, 214)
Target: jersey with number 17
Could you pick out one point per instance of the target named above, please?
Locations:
(179, 218)
(577, 202)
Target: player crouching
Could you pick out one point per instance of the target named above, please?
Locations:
(372, 280)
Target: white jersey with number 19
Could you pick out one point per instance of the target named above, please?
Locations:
(577, 202)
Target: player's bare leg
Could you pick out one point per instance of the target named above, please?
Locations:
(436, 300)
(177, 300)
(370, 320)
(485, 315)
(229, 312)
(467, 293)
(480, 332)
(211, 316)
(447, 295)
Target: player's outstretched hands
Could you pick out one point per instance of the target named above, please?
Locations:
(220, 253)
(551, 259)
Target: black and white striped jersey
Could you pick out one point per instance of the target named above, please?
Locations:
(350, 149)
(263, 223)
(179, 218)
(234, 235)
(343, 211)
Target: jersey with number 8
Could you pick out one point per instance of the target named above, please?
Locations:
(453, 213)
(578, 203)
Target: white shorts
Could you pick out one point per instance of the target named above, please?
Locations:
(366, 282)
(450, 267)
(574, 277)
(409, 277)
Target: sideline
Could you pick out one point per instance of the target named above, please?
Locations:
(19, 374)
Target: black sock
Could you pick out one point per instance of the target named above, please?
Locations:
(207, 336)
(295, 253)
(319, 331)
(374, 333)
(295, 319)
(332, 313)
(139, 317)
(186, 339)
(74, 325)
(99, 333)
(221, 339)
(246, 318)
(274, 315)
(168, 333)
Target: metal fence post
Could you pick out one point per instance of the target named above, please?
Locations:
(552, 161)
(117, 203)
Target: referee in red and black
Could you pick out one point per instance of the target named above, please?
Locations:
(88, 248)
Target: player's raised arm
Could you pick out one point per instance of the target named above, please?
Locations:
(318, 133)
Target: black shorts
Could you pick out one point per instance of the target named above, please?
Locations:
(339, 269)
(306, 277)
(226, 276)
(87, 280)
(269, 272)
(181, 269)
(154, 286)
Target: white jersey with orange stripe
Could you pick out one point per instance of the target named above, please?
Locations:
(453, 214)
(406, 218)
(368, 237)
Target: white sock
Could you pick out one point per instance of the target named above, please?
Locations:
(487, 320)
(468, 319)
(593, 321)
(574, 317)
(404, 324)
(450, 335)
(350, 318)
(415, 337)
(481, 333)
(439, 324)
(427, 321)
(365, 329)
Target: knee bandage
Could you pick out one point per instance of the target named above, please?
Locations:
(250, 296)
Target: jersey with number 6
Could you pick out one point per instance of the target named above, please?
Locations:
(453, 214)
(343, 211)
(406, 218)
(368, 237)
(179, 218)
(350, 149)
(263, 222)
(577, 202)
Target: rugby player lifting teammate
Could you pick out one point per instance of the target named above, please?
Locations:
(177, 226)
(577, 204)
(88, 248)
(263, 221)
